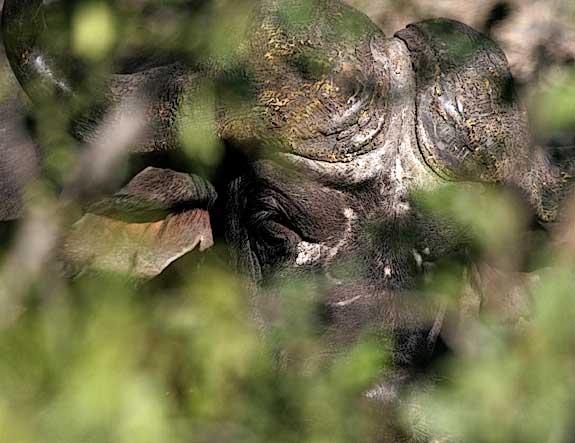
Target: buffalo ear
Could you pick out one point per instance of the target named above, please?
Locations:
(157, 218)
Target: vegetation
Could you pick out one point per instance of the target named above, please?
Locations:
(104, 358)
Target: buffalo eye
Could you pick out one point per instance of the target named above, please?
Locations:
(272, 237)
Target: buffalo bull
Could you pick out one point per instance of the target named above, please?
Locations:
(342, 128)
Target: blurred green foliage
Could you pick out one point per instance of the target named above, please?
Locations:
(94, 30)
(554, 108)
(520, 386)
(101, 358)
(198, 129)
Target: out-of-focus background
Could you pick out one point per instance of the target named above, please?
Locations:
(103, 358)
